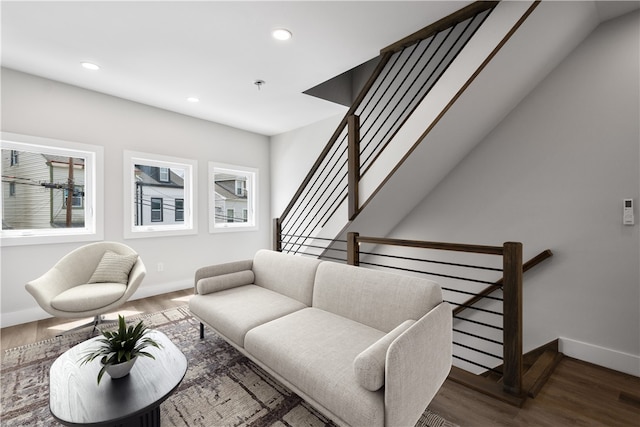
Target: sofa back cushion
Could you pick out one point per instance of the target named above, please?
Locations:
(376, 298)
(288, 275)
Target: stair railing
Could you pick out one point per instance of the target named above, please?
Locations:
(403, 77)
(511, 302)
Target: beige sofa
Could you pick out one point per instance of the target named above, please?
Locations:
(364, 347)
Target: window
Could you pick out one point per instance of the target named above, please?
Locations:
(179, 210)
(156, 209)
(163, 174)
(35, 191)
(232, 198)
(159, 195)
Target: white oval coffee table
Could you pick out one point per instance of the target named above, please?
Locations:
(75, 397)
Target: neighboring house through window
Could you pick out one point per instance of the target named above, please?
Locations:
(159, 195)
(37, 176)
(232, 197)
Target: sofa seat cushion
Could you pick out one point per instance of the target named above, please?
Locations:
(88, 297)
(314, 350)
(235, 311)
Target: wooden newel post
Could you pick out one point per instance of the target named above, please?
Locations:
(277, 235)
(353, 250)
(512, 332)
(353, 123)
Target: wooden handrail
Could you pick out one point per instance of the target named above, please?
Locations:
(459, 247)
(498, 284)
(449, 21)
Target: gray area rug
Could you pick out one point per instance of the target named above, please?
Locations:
(221, 387)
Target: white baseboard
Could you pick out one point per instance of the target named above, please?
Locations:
(601, 356)
(32, 314)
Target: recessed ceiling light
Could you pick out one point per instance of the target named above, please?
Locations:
(281, 34)
(90, 66)
(193, 99)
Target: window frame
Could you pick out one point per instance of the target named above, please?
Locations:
(189, 225)
(93, 156)
(251, 187)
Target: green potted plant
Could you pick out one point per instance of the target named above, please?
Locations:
(119, 349)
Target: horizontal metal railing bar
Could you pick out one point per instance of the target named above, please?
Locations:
(317, 256)
(484, 310)
(316, 247)
(314, 238)
(478, 323)
(411, 270)
(332, 258)
(458, 291)
(478, 336)
(453, 264)
(486, 353)
(477, 364)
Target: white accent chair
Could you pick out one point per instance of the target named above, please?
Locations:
(89, 281)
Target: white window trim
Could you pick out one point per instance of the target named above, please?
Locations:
(190, 223)
(253, 194)
(94, 191)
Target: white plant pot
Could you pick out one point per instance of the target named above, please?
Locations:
(121, 369)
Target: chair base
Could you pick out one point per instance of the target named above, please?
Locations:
(97, 320)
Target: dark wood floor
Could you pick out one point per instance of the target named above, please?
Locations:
(577, 394)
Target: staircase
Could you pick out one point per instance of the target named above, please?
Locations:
(416, 117)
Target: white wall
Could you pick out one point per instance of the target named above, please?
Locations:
(292, 156)
(553, 175)
(44, 108)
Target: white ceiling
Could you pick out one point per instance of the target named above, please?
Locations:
(159, 53)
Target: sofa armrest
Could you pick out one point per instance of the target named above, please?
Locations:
(221, 269)
(417, 364)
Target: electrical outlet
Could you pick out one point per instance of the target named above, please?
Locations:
(160, 266)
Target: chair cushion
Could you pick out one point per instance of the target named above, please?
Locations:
(113, 268)
(88, 297)
(369, 365)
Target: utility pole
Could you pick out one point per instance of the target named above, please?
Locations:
(70, 188)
